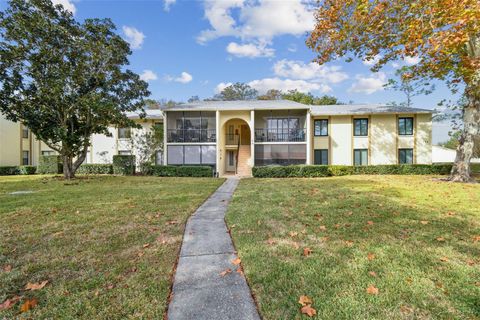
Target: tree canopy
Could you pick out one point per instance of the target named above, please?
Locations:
(237, 91)
(444, 35)
(63, 79)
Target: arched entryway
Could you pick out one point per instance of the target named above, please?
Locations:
(237, 146)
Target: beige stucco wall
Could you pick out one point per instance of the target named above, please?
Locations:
(383, 134)
(9, 142)
(341, 140)
(423, 139)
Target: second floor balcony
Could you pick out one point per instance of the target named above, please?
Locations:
(280, 135)
(191, 135)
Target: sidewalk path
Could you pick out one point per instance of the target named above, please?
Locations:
(199, 290)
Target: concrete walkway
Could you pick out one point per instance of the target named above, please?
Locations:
(199, 290)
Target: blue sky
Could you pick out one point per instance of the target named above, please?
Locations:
(186, 48)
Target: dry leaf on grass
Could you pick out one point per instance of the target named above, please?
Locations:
(370, 256)
(236, 261)
(304, 300)
(370, 223)
(146, 245)
(372, 290)
(323, 228)
(308, 310)
(28, 304)
(293, 234)
(224, 273)
(444, 259)
(476, 239)
(372, 273)
(7, 304)
(349, 243)
(36, 286)
(424, 222)
(7, 268)
(307, 251)
(441, 239)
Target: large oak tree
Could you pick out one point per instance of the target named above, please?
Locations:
(63, 79)
(443, 34)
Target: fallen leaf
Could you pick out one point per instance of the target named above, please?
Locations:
(406, 309)
(239, 270)
(349, 213)
(28, 304)
(372, 290)
(440, 239)
(293, 234)
(223, 273)
(307, 251)
(476, 239)
(370, 223)
(110, 286)
(424, 222)
(7, 268)
(470, 262)
(236, 261)
(36, 286)
(370, 256)
(7, 304)
(308, 310)
(140, 254)
(444, 259)
(146, 245)
(450, 213)
(323, 228)
(271, 241)
(295, 245)
(337, 225)
(304, 300)
(372, 273)
(348, 243)
(171, 222)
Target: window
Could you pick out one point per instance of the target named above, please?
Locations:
(405, 126)
(24, 132)
(282, 154)
(405, 156)
(25, 158)
(360, 157)
(321, 127)
(124, 152)
(360, 127)
(48, 153)
(320, 156)
(191, 154)
(124, 133)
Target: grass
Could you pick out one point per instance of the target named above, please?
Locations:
(422, 236)
(106, 245)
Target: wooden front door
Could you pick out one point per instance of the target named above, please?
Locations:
(245, 135)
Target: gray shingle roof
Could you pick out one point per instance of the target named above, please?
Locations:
(237, 105)
(354, 109)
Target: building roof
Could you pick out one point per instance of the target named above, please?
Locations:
(238, 105)
(359, 109)
(150, 114)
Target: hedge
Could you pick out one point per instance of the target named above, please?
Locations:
(50, 165)
(311, 171)
(17, 170)
(124, 164)
(95, 168)
(181, 171)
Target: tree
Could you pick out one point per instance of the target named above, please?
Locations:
(193, 99)
(408, 86)
(237, 91)
(452, 143)
(147, 144)
(308, 98)
(63, 79)
(272, 94)
(443, 34)
(326, 100)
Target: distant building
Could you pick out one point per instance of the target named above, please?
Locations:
(445, 155)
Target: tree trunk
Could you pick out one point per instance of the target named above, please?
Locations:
(471, 127)
(68, 172)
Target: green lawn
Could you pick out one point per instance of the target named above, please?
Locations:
(415, 239)
(106, 245)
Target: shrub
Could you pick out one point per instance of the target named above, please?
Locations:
(181, 171)
(50, 165)
(124, 164)
(310, 171)
(8, 170)
(27, 170)
(95, 168)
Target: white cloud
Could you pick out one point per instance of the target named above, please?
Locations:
(134, 37)
(167, 4)
(263, 85)
(67, 5)
(370, 84)
(395, 65)
(250, 50)
(292, 47)
(222, 85)
(255, 19)
(412, 60)
(148, 75)
(184, 77)
(372, 61)
(311, 71)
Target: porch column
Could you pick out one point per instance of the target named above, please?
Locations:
(252, 137)
(309, 139)
(217, 140)
(165, 138)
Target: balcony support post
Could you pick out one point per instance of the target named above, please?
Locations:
(165, 138)
(308, 138)
(252, 138)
